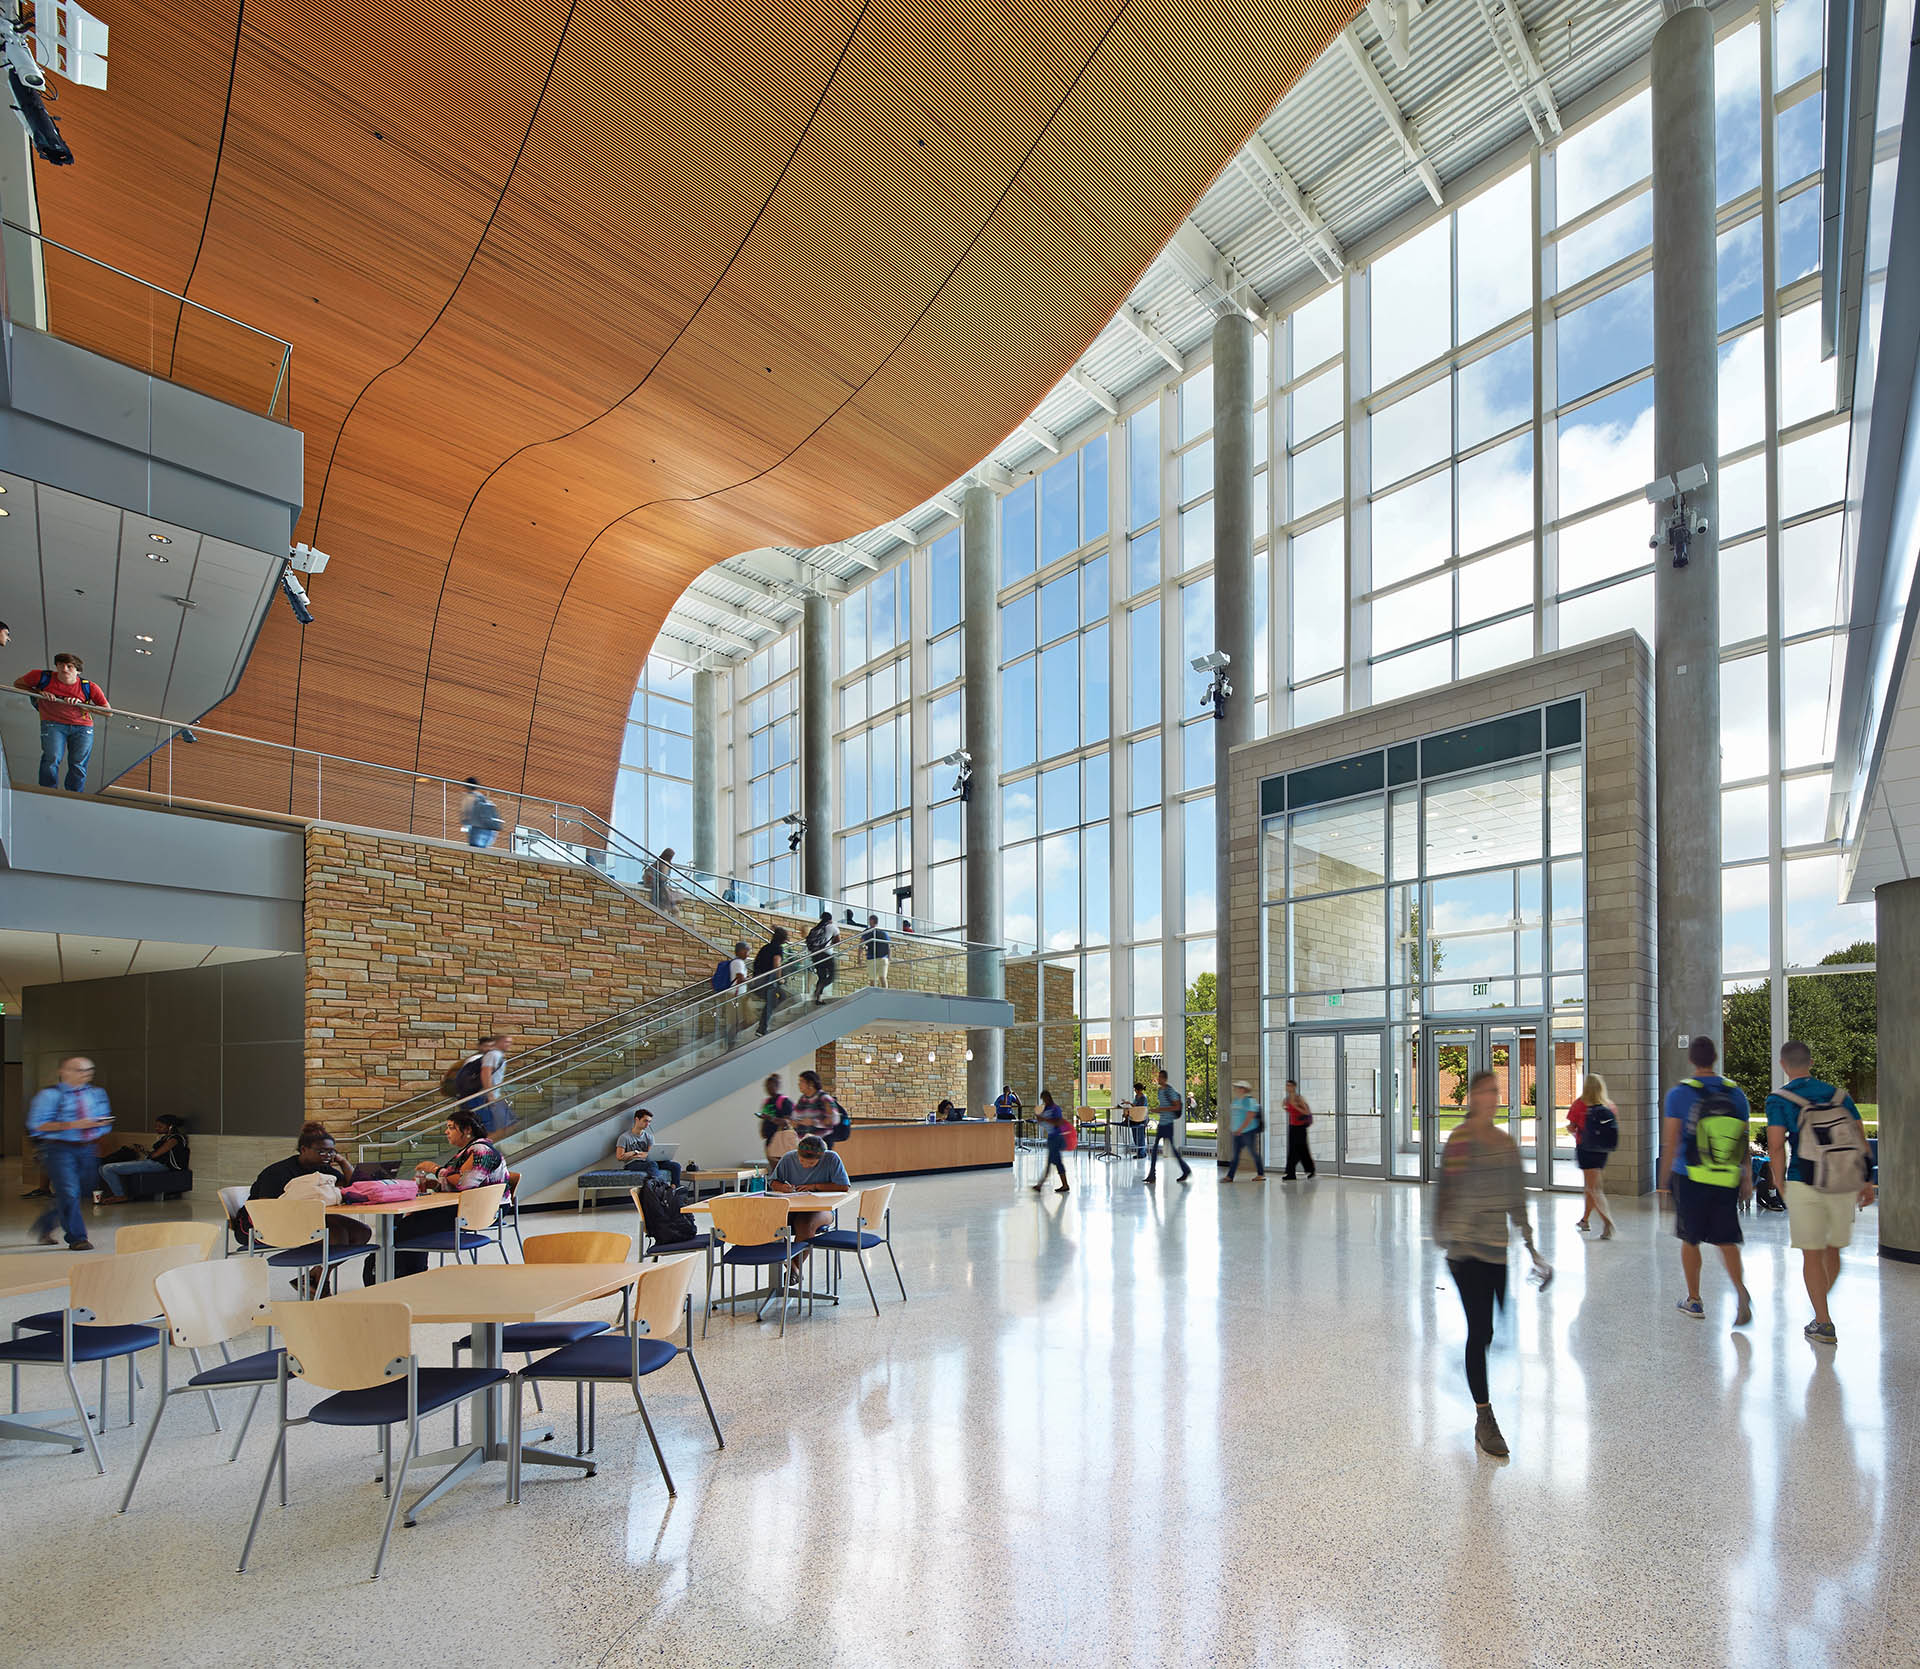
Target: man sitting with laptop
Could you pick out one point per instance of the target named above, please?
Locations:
(638, 1152)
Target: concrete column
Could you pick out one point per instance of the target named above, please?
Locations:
(816, 746)
(986, 972)
(1686, 431)
(1233, 634)
(1896, 909)
(706, 773)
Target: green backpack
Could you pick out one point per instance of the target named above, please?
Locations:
(1716, 1137)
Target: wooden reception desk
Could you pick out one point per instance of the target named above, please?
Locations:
(879, 1148)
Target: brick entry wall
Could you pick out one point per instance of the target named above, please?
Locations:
(414, 948)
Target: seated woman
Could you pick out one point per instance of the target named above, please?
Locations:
(475, 1163)
(946, 1112)
(169, 1153)
(314, 1154)
(812, 1168)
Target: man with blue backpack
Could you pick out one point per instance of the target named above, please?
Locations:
(1703, 1155)
(1829, 1176)
(66, 719)
(730, 975)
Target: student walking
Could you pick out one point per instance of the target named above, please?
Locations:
(1137, 1120)
(65, 1119)
(1829, 1175)
(1166, 1131)
(1703, 1156)
(1299, 1117)
(66, 712)
(1480, 1192)
(659, 878)
(1249, 1123)
(768, 967)
(1594, 1124)
(822, 936)
(777, 1139)
(1058, 1128)
(877, 943)
(730, 985)
(480, 817)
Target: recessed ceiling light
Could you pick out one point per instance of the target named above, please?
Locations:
(143, 651)
(158, 556)
(142, 636)
(159, 538)
(4, 511)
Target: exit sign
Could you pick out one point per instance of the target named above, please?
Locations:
(1481, 987)
(1334, 1000)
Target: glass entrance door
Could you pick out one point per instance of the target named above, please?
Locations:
(1449, 1057)
(1344, 1079)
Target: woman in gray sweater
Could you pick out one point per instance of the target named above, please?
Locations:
(1480, 1192)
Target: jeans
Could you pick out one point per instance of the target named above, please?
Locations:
(112, 1176)
(413, 1227)
(75, 741)
(1247, 1142)
(71, 1172)
(769, 1001)
(1164, 1132)
(482, 838)
(1056, 1158)
(824, 971)
(656, 1168)
(1297, 1153)
(1482, 1285)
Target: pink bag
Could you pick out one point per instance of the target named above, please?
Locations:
(380, 1193)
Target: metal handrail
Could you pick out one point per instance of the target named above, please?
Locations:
(286, 347)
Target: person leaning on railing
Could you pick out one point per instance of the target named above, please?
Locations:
(64, 701)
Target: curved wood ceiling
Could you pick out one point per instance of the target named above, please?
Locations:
(587, 297)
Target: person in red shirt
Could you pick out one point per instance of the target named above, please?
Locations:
(66, 719)
(1592, 1161)
(1299, 1116)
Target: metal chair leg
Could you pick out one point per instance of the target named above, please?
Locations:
(888, 1243)
(260, 1506)
(861, 1258)
(198, 1368)
(103, 1395)
(514, 1419)
(386, 1462)
(253, 1403)
(646, 1420)
(712, 1418)
(579, 1416)
(399, 1488)
(86, 1426)
(153, 1426)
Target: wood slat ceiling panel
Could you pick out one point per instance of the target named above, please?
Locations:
(585, 299)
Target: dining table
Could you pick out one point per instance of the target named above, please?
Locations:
(489, 1298)
(382, 1216)
(22, 1273)
(799, 1201)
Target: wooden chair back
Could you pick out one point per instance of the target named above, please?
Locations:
(207, 1304)
(584, 1246)
(749, 1219)
(287, 1223)
(480, 1207)
(661, 1297)
(118, 1291)
(147, 1237)
(346, 1345)
(233, 1201)
(874, 1202)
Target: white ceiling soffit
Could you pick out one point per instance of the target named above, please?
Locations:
(57, 958)
(1333, 146)
(162, 616)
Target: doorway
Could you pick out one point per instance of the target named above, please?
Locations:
(1342, 1074)
(1450, 1055)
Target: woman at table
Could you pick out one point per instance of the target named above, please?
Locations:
(816, 1110)
(1054, 1122)
(812, 1168)
(314, 1155)
(474, 1163)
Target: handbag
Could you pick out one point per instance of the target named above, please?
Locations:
(380, 1191)
(320, 1185)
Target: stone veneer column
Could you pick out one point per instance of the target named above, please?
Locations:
(1686, 431)
(1896, 908)
(986, 971)
(706, 772)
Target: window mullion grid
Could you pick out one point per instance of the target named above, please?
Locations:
(1358, 530)
(1776, 693)
(1546, 470)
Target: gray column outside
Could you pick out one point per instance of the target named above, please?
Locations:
(1896, 909)
(986, 972)
(1233, 634)
(1686, 431)
(816, 746)
(706, 773)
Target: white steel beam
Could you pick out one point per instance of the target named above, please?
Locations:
(1300, 217)
(756, 611)
(1522, 64)
(1040, 432)
(1093, 391)
(1390, 113)
(1151, 335)
(1209, 266)
(789, 570)
(866, 559)
(707, 614)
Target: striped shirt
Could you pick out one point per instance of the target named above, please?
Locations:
(1480, 1190)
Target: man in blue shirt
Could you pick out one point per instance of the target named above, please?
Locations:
(1705, 1213)
(66, 1119)
(1247, 1126)
(1819, 1223)
(1167, 1116)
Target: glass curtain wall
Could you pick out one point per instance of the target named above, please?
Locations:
(653, 793)
(766, 703)
(1464, 429)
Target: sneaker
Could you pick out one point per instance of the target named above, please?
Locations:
(1693, 1308)
(1063, 1189)
(79, 1245)
(1581, 1225)
(1186, 1176)
(48, 1240)
(1744, 1313)
(1486, 1433)
(1820, 1332)
(1606, 1229)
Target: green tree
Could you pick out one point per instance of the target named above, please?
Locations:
(1835, 1015)
(1203, 1037)
(1746, 1039)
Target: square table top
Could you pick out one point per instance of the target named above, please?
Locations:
(498, 1292)
(38, 1271)
(794, 1202)
(395, 1208)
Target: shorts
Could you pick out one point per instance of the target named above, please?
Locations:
(1591, 1158)
(1706, 1215)
(1816, 1220)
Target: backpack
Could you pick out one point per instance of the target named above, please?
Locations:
(379, 1191)
(86, 688)
(1716, 1137)
(463, 1080)
(1069, 1133)
(1831, 1143)
(723, 975)
(1601, 1132)
(660, 1209)
(486, 815)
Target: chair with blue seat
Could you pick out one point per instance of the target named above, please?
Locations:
(111, 1299)
(662, 1305)
(207, 1306)
(362, 1352)
(750, 1231)
(298, 1227)
(476, 1226)
(528, 1338)
(233, 1205)
(656, 1249)
(875, 1207)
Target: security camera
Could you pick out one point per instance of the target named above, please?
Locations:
(74, 48)
(1213, 661)
(797, 830)
(187, 735)
(959, 756)
(297, 598)
(1680, 524)
(308, 560)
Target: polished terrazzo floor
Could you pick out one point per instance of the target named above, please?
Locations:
(1202, 1425)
